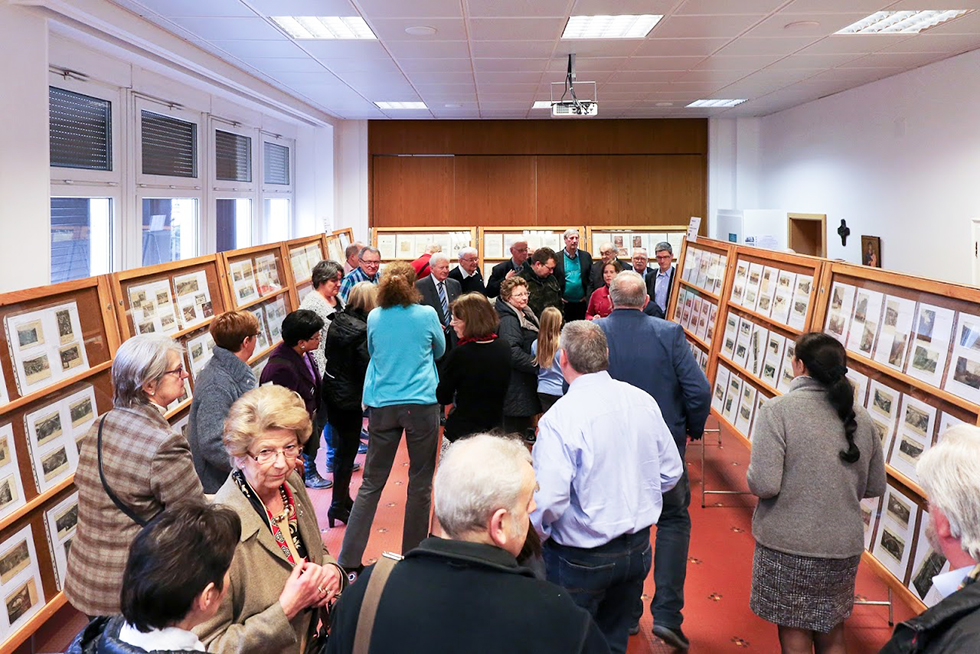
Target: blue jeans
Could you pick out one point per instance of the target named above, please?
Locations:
(328, 439)
(604, 580)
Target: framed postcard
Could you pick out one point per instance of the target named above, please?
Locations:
(757, 350)
(262, 338)
(916, 425)
(746, 410)
(839, 313)
(929, 353)
(751, 296)
(767, 288)
(871, 251)
(896, 529)
(193, 299)
(200, 347)
(275, 312)
(46, 346)
(732, 398)
(946, 421)
(151, 307)
(859, 382)
(786, 374)
(61, 522)
(741, 279)
(244, 286)
(267, 274)
(800, 304)
(712, 318)
(11, 486)
(20, 580)
(896, 328)
(883, 404)
(731, 334)
(721, 387)
(926, 564)
(53, 433)
(963, 377)
(745, 329)
(300, 264)
(335, 252)
(864, 322)
(870, 513)
(773, 360)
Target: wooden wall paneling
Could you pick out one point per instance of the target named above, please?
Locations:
(407, 191)
(497, 190)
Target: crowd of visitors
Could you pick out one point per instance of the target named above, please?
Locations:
(570, 406)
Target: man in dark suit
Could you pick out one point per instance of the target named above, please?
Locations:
(507, 269)
(608, 252)
(438, 291)
(467, 273)
(653, 355)
(573, 270)
(663, 279)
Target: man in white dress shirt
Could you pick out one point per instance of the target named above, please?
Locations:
(603, 458)
(950, 475)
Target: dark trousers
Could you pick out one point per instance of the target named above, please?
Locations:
(604, 580)
(575, 310)
(517, 424)
(670, 557)
(547, 401)
(420, 423)
(346, 425)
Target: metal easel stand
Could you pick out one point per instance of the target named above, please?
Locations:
(889, 603)
(705, 491)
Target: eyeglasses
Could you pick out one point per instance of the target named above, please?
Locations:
(268, 455)
(371, 263)
(179, 371)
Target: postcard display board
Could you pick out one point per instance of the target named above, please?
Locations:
(304, 254)
(55, 379)
(494, 242)
(913, 349)
(257, 282)
(409, 243)
(627, 239)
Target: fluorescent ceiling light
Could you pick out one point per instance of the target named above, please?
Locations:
(714, 104)
(541, 104)
(902, 22)
(610, 27)
(325, 27)
(401, 105)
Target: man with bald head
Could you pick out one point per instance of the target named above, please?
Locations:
(507, 269)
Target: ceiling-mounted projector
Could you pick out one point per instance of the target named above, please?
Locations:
(568, 104)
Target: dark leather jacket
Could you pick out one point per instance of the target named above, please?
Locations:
(101, 636)
(950, 627)
(347, 360)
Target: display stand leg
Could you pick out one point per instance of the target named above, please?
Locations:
(889, 603)
(704, 490)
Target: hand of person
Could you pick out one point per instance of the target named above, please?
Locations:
(302, 588)
(510, 273)
(333, 583)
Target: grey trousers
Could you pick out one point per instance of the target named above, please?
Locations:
(420, 422)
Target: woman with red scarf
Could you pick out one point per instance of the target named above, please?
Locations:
(475, 374)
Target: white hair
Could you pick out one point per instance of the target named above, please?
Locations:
(950, 475)
(139, 360)
(467, 250)
(569, 232)
(437, 257)
(608, 245)
(627, 290)
(477, 476)
(432, 248)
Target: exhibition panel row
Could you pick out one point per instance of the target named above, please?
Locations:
(913, 359)
(55, 379)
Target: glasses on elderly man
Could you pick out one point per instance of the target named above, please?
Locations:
(266, 456)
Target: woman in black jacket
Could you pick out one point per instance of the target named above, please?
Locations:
(519, 328)
(347, 357)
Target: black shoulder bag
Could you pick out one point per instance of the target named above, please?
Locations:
(105, 485)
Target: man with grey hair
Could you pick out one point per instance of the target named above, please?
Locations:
(573, 270)
(351, 253)
(439, 292)
(658, 285)
(603, 457)
(507, 269)
(950, 475)
(467, 273)
(369, 262)
(466, 591)
(653, 355)
(609, 253)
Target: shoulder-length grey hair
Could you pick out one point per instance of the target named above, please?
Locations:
(139, 360)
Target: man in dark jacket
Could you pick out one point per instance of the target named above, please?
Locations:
(653, 355)
(950, 475)
(507, 269)
(483, 494)
(467, 273)
(573, 270)
(541, 282)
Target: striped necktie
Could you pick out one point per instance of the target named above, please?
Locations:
(444, 301)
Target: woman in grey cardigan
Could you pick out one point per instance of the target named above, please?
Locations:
(815, 456)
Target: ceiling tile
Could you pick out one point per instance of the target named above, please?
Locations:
(364, 66)
(260, 49)
(529, 88)
(509, 78)
(286, 65)
(414, 9)
(510, 65)
(811, 62)
(868, 7)
(616, 7)
(229, 29)
(516, 8)
(928, 42)
(766, 46)
(515, 29)
(588, 64)
(660, 47)
(300, 7)
(446, 88)
(750, 63)
(826, 25)
(452, 112)
(438, 78)
(854, 44)
(662, 63)
(345, 49)
(711, 7)
(197, 8)
(448, 98)
(903, 5)
(506, 97)
(712, 76)
(429, 49)
(704, 26)
(850, 75)
(393, 29)
(511, 49)
(598, 48)
(306, 79)
(646, 77)
(435, 65)
(895, 60)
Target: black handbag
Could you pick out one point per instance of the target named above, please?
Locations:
(105, 485)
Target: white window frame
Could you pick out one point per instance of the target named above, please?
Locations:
(231, 190)
(272, 191)
(115, 213)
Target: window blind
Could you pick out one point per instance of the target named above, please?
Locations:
(233, 154)
(80, 130)
(169, 146)
(276, 162)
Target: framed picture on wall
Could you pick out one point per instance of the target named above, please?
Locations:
(871, 251)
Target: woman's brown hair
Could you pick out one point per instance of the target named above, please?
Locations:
(508, 285)
(397, 286)
(618, 267)
(479, 318)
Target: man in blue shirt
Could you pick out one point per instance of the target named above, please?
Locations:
(603, 459)
(369, 261)
(653, 354)
(664, 277)
(573, 270)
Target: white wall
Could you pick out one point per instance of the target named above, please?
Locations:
(351, 176)
(24, 224)
(898, 158)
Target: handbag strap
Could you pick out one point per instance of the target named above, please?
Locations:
(105, 485)
(372, 597)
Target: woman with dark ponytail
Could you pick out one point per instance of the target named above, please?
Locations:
(815, 456)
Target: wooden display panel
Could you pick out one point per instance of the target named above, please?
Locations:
(491, 237)
(346, 236)
(649, 236)
(303, 254)
(335, 250)
(409, 243)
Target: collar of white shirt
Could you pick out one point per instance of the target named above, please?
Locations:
(465, 274)
(948, 582)
(169, 638)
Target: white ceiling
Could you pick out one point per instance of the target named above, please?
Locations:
(495, 58)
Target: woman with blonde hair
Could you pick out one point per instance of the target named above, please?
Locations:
(281, 572)
(545, 351)
(404, 338)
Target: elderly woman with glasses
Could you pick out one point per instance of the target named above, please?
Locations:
(131, 466)
(282, 573)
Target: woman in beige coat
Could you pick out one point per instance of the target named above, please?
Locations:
(282, 574)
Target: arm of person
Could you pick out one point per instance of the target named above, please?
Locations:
(284, 375)
(593, 309)
(554, 468)
(510, 331)
(446, 390)
(497, 276)
(172, 473)
(671, 465)
(436, 333)
(214, 403)
(694, 385)
(876, 469)
(765, 473)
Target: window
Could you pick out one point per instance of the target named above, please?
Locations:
(170, 229)
(276, 220)
(276, 164)
(169, 146)
(277, 189)
(80, 130)
(81, 238)
(233, 157)
(234, 223)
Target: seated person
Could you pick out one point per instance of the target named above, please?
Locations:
(165, 592)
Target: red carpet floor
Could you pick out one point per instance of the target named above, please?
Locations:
(717, 615)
